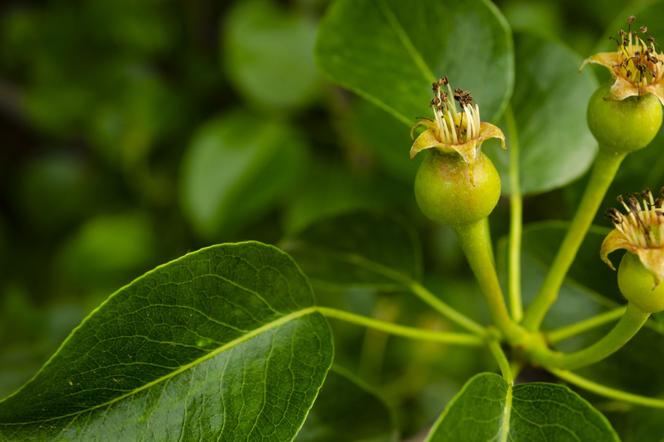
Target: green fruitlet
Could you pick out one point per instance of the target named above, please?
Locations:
(452, 192)
(638, 285)
(623, 126)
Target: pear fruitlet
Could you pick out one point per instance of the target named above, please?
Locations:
(452, 192)
(637, 284)
(623, 126)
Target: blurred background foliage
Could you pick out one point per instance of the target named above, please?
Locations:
(135, 131)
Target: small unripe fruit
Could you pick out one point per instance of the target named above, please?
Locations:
(638, 286)
(452, 192)
(626, 125)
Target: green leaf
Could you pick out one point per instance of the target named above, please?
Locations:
(388, 141)
(237, 168)
(488, 408)
(347, 410)
(268, 54)
(221, 344)
(549, 104)
(359, 250)
(390, 51)
(106, 251)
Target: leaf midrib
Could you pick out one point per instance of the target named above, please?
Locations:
(229, 345)
(504, 430)
(406, 42)
(362, 261)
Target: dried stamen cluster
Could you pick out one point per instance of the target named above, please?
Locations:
(640, 231)
(454, 126)
(641, 62)
(637, 65)
(642, 224)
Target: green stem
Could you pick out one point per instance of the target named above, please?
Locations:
(516, 220)
(605, 391)
(587, 324)
(434, 302)
(501, 359)
(604, 170)
(630, 323)
(475, 241)
(417, 289)
(401, 330)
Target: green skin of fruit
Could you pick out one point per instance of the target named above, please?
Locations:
(637, 284)
(623, 126)
(445, 193)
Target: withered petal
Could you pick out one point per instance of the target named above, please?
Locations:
(657, 89)
(607, 59)
(488, 130)
(425, 140)
(653, 260)
(623, 88)
(614, 240)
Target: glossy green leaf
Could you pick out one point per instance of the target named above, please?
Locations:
(390, 51)
(221, 344)
(358, 249)
(236, 168)
(488, 408)
(549, 105)
(268, 53)
(347, 410)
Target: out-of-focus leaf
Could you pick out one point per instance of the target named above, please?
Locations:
(69, 53)
(358, 250)
(3, 243)
(55, 190)
(642, 425)
(138, 110)
(106, 251)
(332, 190)
(542, 241)
(145, 28)
(549, 104)
(540, 18)
(346, 410)
(220, 344)
(237, 168)
(28, 334)
(390, 51)
(268, 54)
(57, 108)
(488, 408)
(387, 140)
